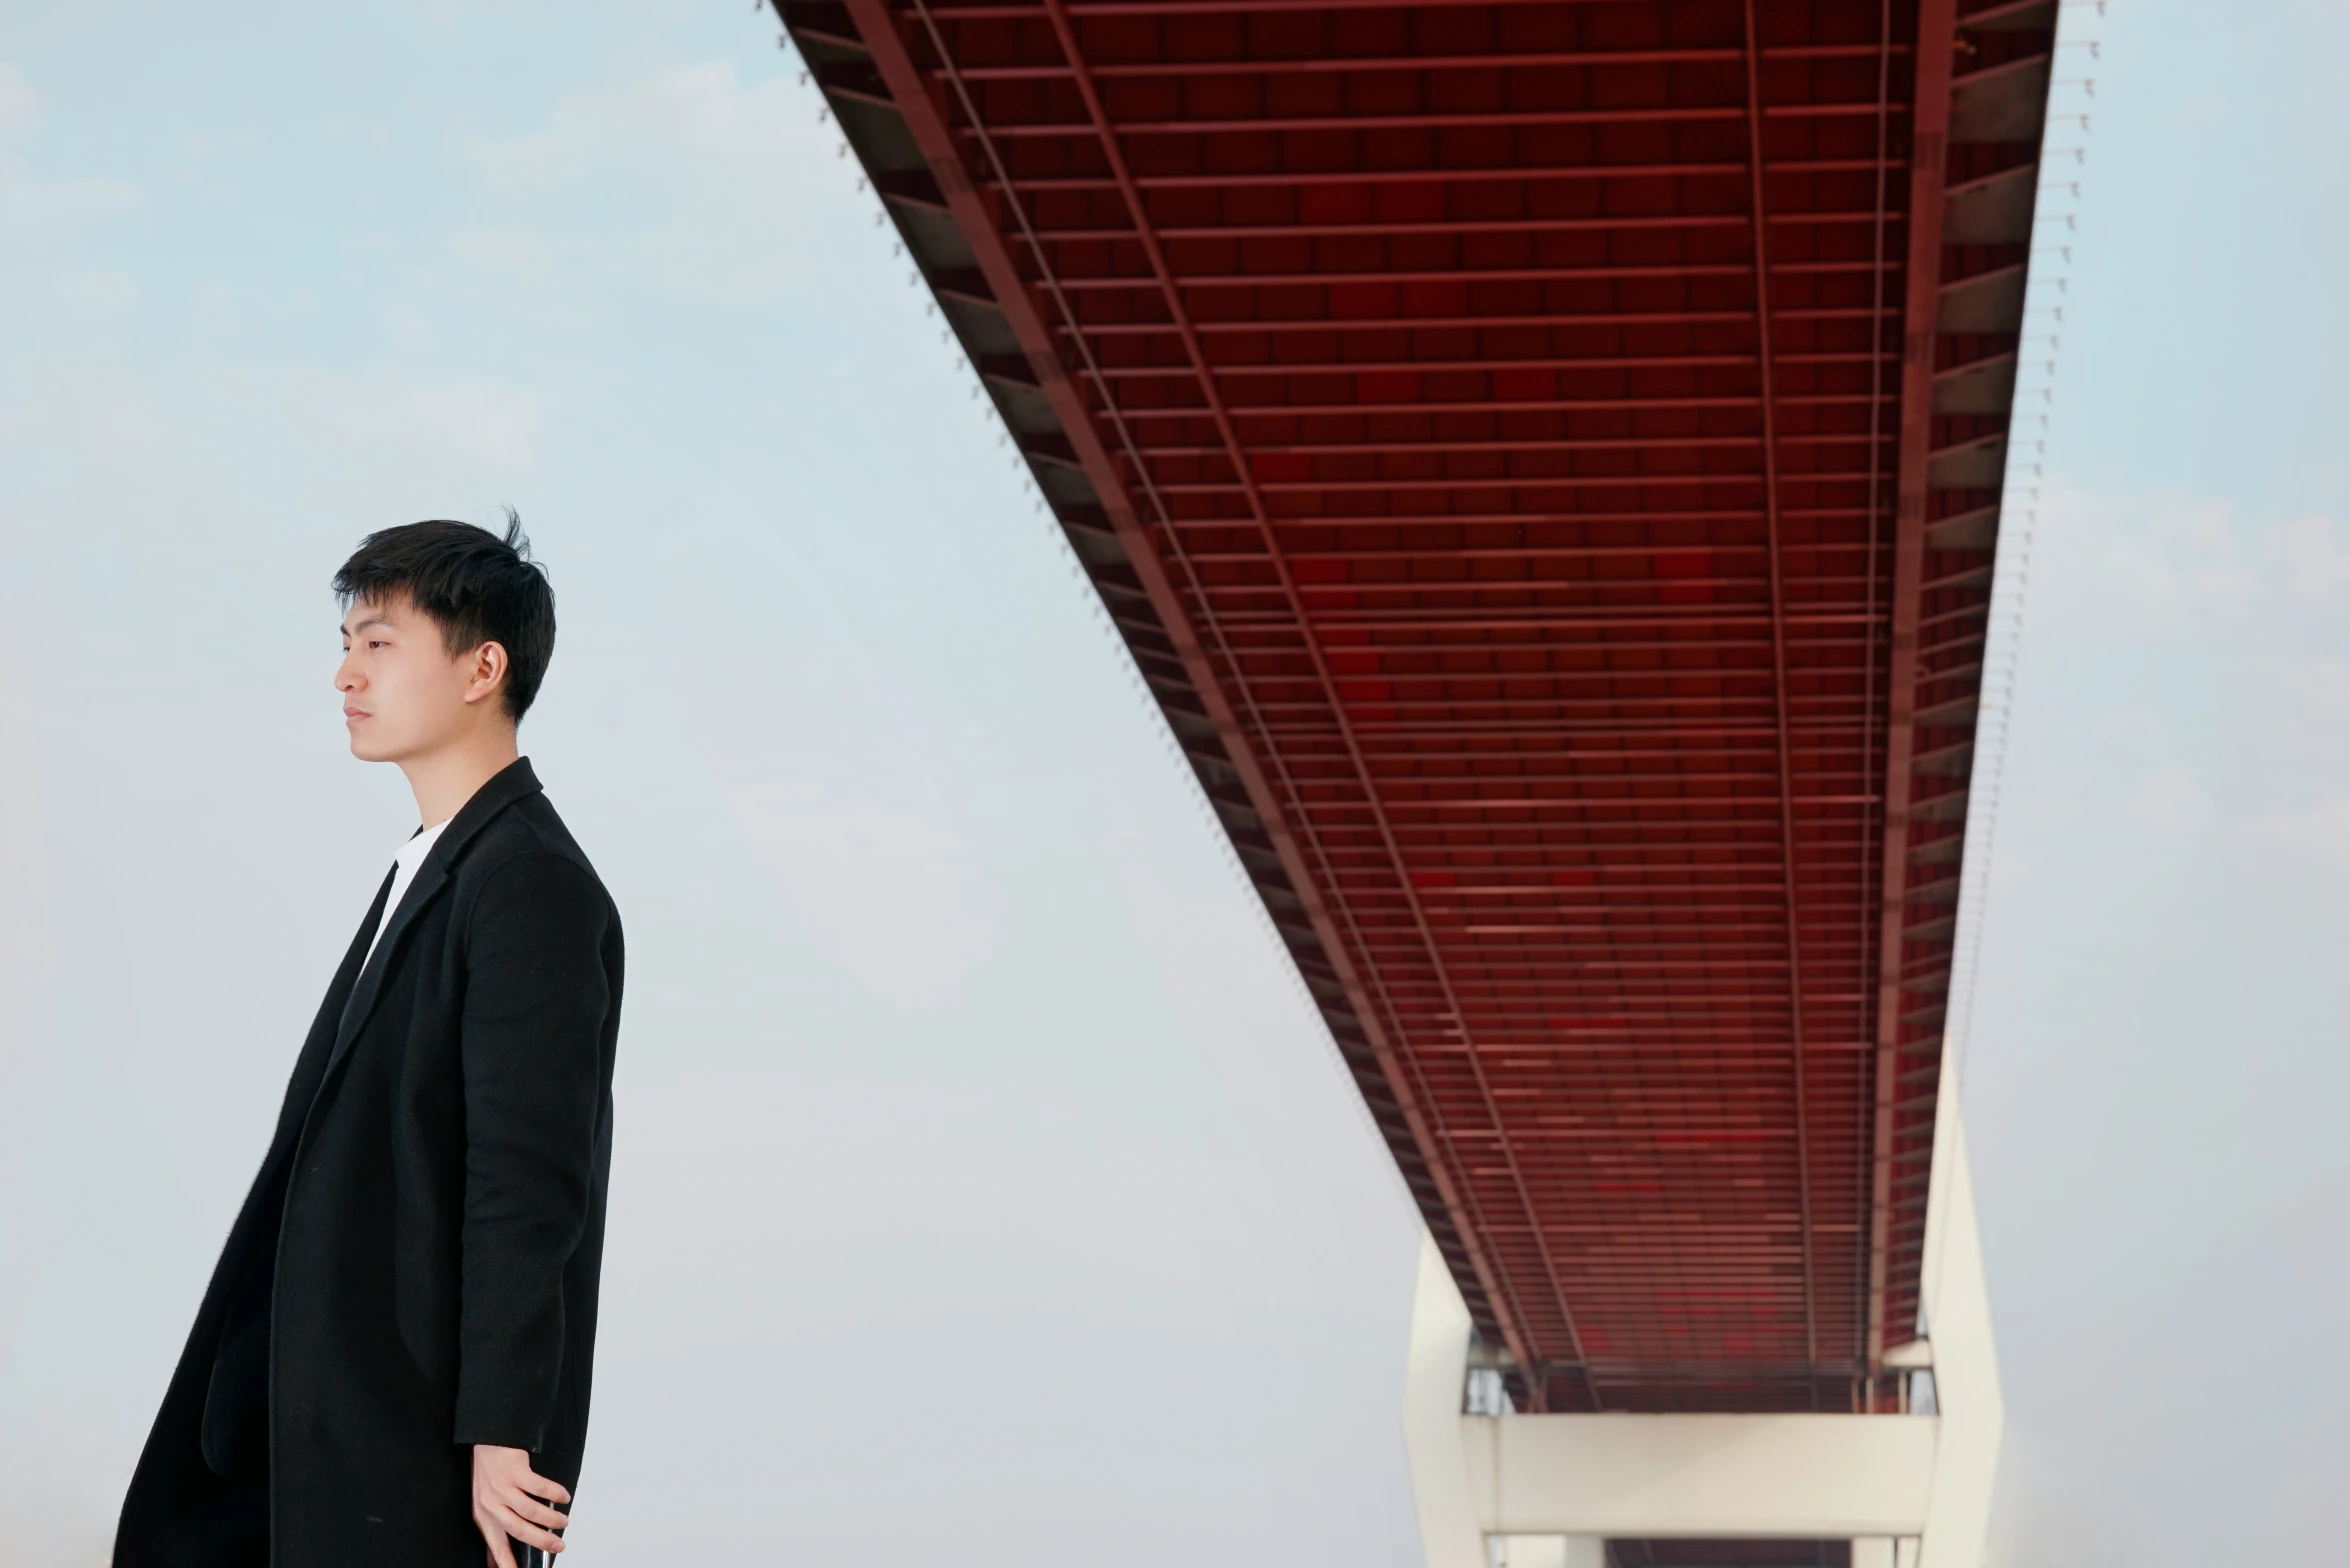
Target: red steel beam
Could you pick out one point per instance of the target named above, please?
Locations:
(1127, 8)
(1460, 277)
(1865, 1021)
(1451, 551)
(1231, 326)
(1233, 369)
(1467, 174)
(1392, 486)
(1559, 405)
(1602, 224)
(1281, 229)
(1468, 119)
(1377, 446)
(1515, 60)
(1756, 154)
(1929, 160)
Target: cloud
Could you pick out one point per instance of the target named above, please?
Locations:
(2208, 639)
(2315, 687)
(2230, 628)
(2168, 558)
(2151, 784)
(32, 208)
(196, 146)
(2312, 562)
(20, 106)
(2166, 798)
(700, 110)
(689, 181)
(502, 248)
(2162, 561)
(236, 444)
(2322, 830)
(105, 293)
(468, 423)
(43, 208)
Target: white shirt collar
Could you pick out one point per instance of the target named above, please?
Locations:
(404, 866)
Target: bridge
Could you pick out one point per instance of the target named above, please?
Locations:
(1545, 459)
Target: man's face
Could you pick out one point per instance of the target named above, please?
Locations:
(403, 694)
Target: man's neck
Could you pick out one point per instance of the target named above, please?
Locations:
(446, 779)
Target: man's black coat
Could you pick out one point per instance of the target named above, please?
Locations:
(434, 1199)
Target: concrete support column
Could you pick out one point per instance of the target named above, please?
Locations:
(1451, 1535)
(1548, 1491)
(1966, 1367)
(1549, 1551)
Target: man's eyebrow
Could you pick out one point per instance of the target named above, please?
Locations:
(365, 621)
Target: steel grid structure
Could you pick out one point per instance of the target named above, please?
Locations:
(1544, 457)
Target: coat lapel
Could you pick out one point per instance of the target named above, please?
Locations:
(503, 790)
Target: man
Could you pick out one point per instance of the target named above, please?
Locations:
(391, 1364)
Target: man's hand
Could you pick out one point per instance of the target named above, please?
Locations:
(510, 1500)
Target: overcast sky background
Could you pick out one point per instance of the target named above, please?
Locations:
(985, 1191)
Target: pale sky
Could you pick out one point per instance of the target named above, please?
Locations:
(985, 1191)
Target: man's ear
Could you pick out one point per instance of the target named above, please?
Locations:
(488, 672)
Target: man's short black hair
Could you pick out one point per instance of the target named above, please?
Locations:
(476, 586)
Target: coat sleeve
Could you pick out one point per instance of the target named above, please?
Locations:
(536, 1001)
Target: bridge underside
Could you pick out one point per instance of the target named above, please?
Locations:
(1714, 1554)
(1545, 458)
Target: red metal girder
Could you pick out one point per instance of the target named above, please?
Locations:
(1515, 60)
(1778, 620)
(1371, 444)
(1527, 173)
(998, 10)
(1937, 23)
(1457, 486)
(1049, 130)
(1233, 371)
(1278, 230)
(1311, 326)
(1564, 405)
(1448, 175)
(1511, 225)
(1448, 276)
(1212, 327)
(1455, 527)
